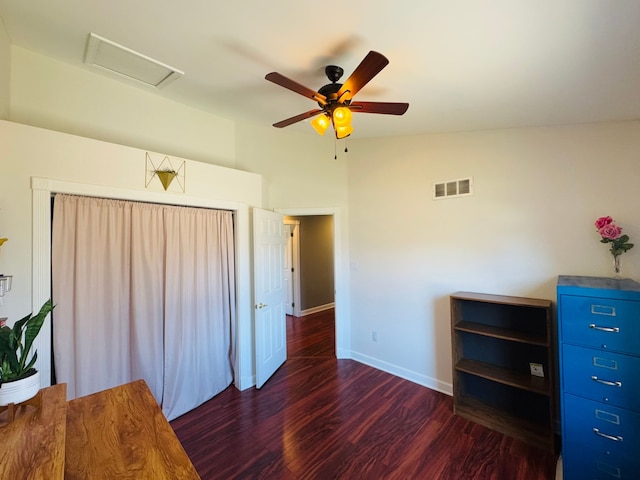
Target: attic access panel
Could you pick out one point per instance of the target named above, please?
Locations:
(123, 61)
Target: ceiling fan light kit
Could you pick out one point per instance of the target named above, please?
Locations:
(341, 119)
(335, 99)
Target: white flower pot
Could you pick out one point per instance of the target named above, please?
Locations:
(19, 390)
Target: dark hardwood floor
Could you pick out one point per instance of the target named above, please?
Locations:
(323, 418)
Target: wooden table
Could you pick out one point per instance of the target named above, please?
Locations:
(32, 444)
(121, 433)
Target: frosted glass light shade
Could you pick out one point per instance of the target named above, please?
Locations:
(341, 117)
(344, 131)
(320, 123)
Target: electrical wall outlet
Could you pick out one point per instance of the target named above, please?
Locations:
(536, 369)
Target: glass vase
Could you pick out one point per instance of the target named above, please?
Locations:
(617, 271)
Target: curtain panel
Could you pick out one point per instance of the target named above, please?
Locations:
(143, 291)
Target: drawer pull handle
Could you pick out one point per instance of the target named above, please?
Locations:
(615, 438)
(606, 382)
(604, 329)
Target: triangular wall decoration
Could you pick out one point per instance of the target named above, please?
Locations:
(166, 174)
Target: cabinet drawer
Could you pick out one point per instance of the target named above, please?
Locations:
(584, 463)
(588, 455)
(606, 377)
(610, 324)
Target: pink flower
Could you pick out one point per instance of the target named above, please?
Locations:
(602, 222)
(610, 231)
(3, 322)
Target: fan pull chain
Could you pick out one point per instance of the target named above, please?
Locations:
(335, 148)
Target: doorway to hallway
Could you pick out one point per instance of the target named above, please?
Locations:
(309, 264)
(336, 297)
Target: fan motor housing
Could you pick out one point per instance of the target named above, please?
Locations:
(334, 73)
(330, 91)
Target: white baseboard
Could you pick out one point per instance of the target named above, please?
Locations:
(242, 383)
(320, 308)
(415, 377)
(342, 354)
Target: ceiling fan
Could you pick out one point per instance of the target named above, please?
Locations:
(336, 99)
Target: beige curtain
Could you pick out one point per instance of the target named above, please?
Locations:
(143, 291)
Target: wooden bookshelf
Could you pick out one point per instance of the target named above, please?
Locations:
(495, 338)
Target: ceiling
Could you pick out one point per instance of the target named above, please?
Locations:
(461, 64)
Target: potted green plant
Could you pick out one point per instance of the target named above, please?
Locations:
(19, 379)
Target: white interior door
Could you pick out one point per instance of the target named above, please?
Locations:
(269, 245)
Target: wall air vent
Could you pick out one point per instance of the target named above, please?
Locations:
(125, 62)
(453, 188)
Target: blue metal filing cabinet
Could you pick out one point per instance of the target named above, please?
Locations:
(599, 350)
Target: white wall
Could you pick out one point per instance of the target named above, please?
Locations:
(113, 171)
(54, 95)
(5, 72)
(537, 193)
(298, 169)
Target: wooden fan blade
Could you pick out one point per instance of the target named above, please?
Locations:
(285, 82)
(372, 64)
(297, 118)
(389, 108)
